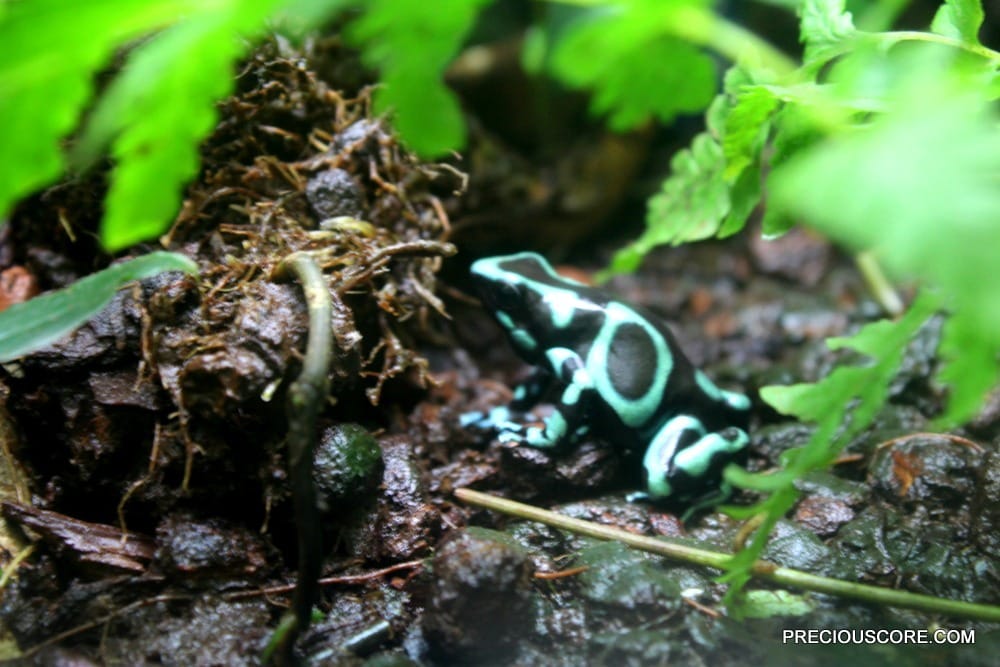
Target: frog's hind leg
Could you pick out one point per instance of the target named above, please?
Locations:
(683, 458)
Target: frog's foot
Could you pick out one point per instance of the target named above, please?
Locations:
(499, 418)
(513, 434)
(708, 501)
(637, 497)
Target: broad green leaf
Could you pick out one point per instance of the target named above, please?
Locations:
(427, 133)
(29, 326)
(825, 29)
(747, 126)
(155, 138)
(642, 71)
(971, 368)
(51, 51)
(959, 19)
(935, 214)
(863, 387)
(693, 200)
(411, 44)
(298, 16)
(744, 195)
(690, 205)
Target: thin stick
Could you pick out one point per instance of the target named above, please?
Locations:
(879, 284)
(761, 569)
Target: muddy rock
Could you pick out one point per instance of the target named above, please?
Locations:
(346, 464)
(210, 548)
(986, 510)
(334, 193)
(586, 469)
(402, 523)
(933, 470)
(481, 600)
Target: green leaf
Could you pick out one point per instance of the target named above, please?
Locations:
(429, 134)
(298, 16)
(155, 138)
(29, 326)
(865, 387)
(959, 19)
(693, 201)
(842, 405)
(971, 368)
(746, 129)
(825, 30)
(934, 215)
(411, 44)
(50, 53)
(744, 195)
(636, 69)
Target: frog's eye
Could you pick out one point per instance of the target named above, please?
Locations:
(507, 297)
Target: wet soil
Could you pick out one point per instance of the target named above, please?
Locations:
(147, 450)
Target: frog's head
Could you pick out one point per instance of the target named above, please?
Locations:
(525, 295)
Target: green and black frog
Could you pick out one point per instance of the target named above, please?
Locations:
(618, 372)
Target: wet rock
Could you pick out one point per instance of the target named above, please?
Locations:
(16, 286)
(920, 550)
(346, 465)
(936, 471)
(402, 523)
(587, 468)
(359, 138)
(334, 193)
(823, 515)
(217, 375)
(633, 517)
(619, 578)
(827, 485)
(803, 325)
(794, 546)
(481, 599)
(912, 384)
(218, 382)
(209, 632)
(771, 440)
(798, 255)
(109, 337)
(892, 423)
(123, 387)
(986, 509)
(209, 548)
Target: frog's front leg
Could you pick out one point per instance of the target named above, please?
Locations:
(501, 418)
(528, 393)
(679, 458)
(567, 422)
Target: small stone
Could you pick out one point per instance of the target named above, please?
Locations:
(347, 465)
(16, 286)
(481, 599)
(334, 193)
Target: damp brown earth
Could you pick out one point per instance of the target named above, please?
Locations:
(144, 456)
